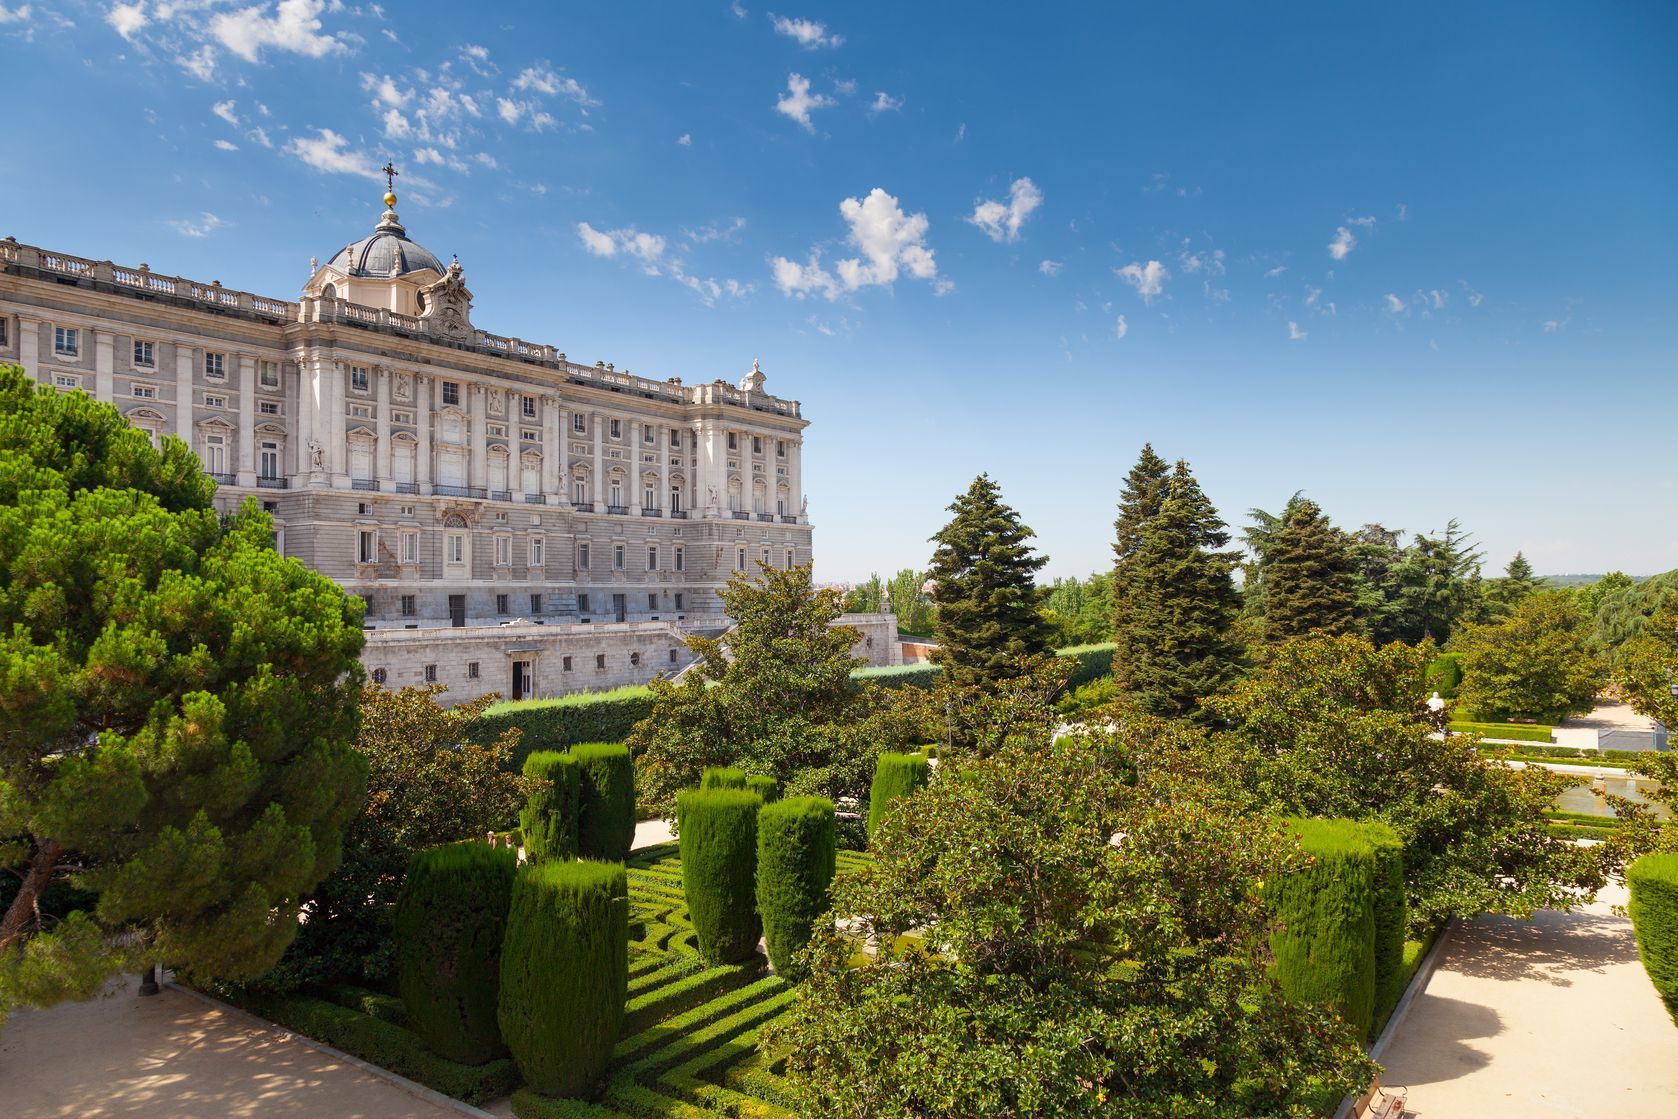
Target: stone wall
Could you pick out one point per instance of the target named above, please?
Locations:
(879, 644)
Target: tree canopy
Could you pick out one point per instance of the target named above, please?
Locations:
(1310, 577)
(1535, 664)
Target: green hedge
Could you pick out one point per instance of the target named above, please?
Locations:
(895, 775)
(766, 787)
(722, 777)
(565, 973)
(1521, 732)
(548, 820)
(555, 724)
(449, 925)
(1325, 945)
(605, 800)
(1392, 916)
(1654, 918)
(1444, 674)
(718, 830)
(797, 851)
(1094, 662)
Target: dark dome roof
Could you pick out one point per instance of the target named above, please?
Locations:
(389, 244)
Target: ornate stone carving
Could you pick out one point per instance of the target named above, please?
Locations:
(448, 306)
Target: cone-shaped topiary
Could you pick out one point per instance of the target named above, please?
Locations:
(895, 775)
(722, 777)
(605, 800)
(796, 851)
(449, 925)
(766, 787)
(565, 972)
(1391, 916)
(549, 817)
(1654, 918)
(718, 830)
(1325, 946)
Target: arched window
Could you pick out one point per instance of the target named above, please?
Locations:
(330, 291)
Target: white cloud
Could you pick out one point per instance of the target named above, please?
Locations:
(798, 280)
(295, 26)
(477, 57)
(1212, 262)
(1312, 295)
(329, 152)
(1148, 279)
(1474, 297)
(1438, 299)
(1275, 272)
(1362, 223)
(596, 242)
(543, 80)
(650, 250)
(798, 101)
(396, 125)
(201, 63)
(1343, 243)
(715, 232)
(1403, 211)
(1121, 328)
(685, 140)
(738, 9)
(1001, 221)
(809, 34)
(1395, 304)
(423, 156)
(884, 103)
(1553, 325)
(1295, 334)
(1049, 267)
(227, 145)
(126, 19)
(224, 110)
(206, 224)
(889, 242)
(510, 111)
(19, 14)
(484, 159)
(259, 136)
(385, 91)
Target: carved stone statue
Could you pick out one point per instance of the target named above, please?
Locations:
(804, 506)
(710, 495)
(317, 453)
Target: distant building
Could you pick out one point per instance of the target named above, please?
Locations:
(466, 485)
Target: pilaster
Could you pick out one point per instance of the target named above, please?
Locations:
(185, 355)
(246, 460)
(422, 424)
(104, 365)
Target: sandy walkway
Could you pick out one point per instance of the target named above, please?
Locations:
(174, 1057)
(1549, 1017)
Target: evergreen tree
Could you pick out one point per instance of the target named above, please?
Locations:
(1310, 583)
(1259, 536)
(1177, 605)
(1436, 582)
(1144, 491)
(990, 626)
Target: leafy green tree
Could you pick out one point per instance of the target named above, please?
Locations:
(176, 714)
(1310, 583)
(426, 785)
(1434, 583)
(1177, 605)
(1377, 554)
(1535, 665)
(908, 598)
(1080, 611)
(866, 597)
(1593, 596)
(1648, 669)
(1045, 949)
(990, 626)
(1336, 727)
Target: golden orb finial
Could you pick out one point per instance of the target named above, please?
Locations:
(390, 198)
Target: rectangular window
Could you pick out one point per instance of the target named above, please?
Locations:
(144, 392)
(66, 341)
(65, 381)
(675, 499)
(579, 492)
(600, 661)
(675, 438)
(503, 550)
(780, 448)
(678, 600)
(4, 326)
(451, 392)
(214, 401)
(215, 454)
(529, 406)
(733, 441)
(269, 375)
(471, 670)
(617, 429)
(406, 603)
(582, 557)
(215, 365)
(268, 407)
(538, 551)
(582, 604)
(430, 674)
(648, 435)
(410, 547)
(672, 656)
(498, 429)
(565, 663)
(652, 559)
(361, 412)
(358, 378)
(530, 436)
(268, 462)
(144, 356)
(789, 557)
(649, 498)
(617, 558)
(742, 559)
(500, 604)
(757, 445)
(369, 549)
(401, 417)
(535, 604)
(678, 559)
(652, 601)
(579, 423)
(457, 547)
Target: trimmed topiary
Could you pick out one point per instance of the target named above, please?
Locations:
(718, 829)
(766, 787)
(565, 973)
(1392, 916)
(1654, 918)
(1325, 945)
(605, 800)
(796, 852)
(895, 775)
(722, 777)
(548, 820)
(449, 925)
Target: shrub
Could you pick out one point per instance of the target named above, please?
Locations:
(565, 973)
(1325, 947)
(1654, 917)
(718, 829)
(548, 820)
(605, 800)
(723, 777)
(1094, 663)
(1444, 674)
(449, 926)
(1523, 732)
(895, 775)
(1391, 916)
(922, 676)
(555, 724)
(796, 853)
(766, 787)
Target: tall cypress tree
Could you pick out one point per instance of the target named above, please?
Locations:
(1177, 604)
(1310, 583)
(989, 623)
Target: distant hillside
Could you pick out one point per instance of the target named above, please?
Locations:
(1580, 580)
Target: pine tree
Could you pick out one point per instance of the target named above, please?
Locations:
(1310, 583)
(990, 625)
(1177, 605)
(1144, 490)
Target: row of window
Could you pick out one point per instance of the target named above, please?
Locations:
(454, 546)
(67, 342)
(566, 664)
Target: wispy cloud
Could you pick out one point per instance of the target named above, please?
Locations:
(328, 151)
(226, 146)
(685, 140)
(1395, 304)
(884, 103)
(889, 243)
(1121, 328)
(650, 253)
(1295, 334)
(127, 19)
(204, 225)
(1148, 279)
(295, 26)
(1343, 244)
(808, 33)
(799, 102)
(1049, 267)
(224, 110)
(1001, 221)
(1275, 272)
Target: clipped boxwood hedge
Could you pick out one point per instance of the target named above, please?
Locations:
(449, 925)
(556, 724)
(548, 820)
(895, 775)
(722, 777)
(1520, 732)
(797, 850)
(766, 787)
(1654, 918)
(1094, 662)
(718, 831)
(1324, 946)
(605, 800)
(1444, 674)
(1392, 916)
(565, 973)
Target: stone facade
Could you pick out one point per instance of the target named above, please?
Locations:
(452, 478)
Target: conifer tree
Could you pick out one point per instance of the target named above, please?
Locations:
(1310, 583)
(990, 625)
(1177, 605)
(1144, 490)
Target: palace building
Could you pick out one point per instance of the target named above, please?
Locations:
(516, 521)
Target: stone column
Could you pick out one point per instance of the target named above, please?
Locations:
(104, 365)
(247, 422)
(184, 357)
(381, 423)
(422, 425)
(633, 497)
(29, 345)
(795, 476)
(661, 496)
(563, 463)
(599, 462)
(305, 427)
(477, 473)
(552, 479)
(337, 449)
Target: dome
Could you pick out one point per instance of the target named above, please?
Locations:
(387, 247)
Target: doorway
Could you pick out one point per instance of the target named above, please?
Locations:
(618, 609)
(457, 610)
(524, 682)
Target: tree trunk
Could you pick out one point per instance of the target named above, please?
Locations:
(34, 884)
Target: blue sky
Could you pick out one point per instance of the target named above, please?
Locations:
(1417, 261)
